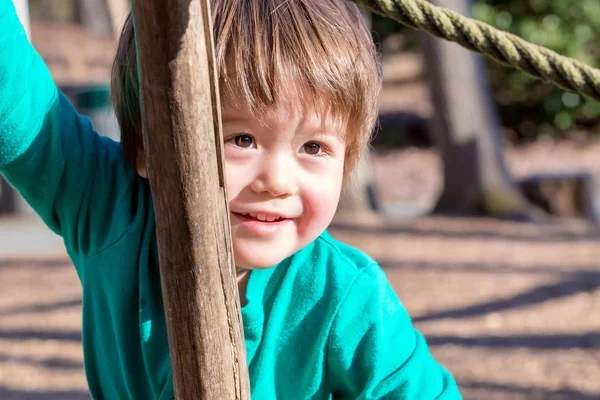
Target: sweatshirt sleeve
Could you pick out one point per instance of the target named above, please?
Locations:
(376, 353)
(77, 181)
(28, 92)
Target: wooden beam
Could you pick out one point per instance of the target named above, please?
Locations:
(183, 147)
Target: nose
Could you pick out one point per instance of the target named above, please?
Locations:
(275, 177)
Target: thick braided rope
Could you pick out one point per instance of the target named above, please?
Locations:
(482, 38)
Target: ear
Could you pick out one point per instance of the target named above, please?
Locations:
(140, 163)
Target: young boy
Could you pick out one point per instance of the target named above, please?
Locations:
(299, 82)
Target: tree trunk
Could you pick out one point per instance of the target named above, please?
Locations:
(184, 157)
(467, 132)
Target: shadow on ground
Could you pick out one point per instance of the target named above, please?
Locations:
(586, 281)
(471, 232)
(495, 391)
(8, 394)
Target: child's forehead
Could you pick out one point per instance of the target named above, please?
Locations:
(305, 114)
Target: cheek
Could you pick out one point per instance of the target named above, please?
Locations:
(320, 199)
(234, 178)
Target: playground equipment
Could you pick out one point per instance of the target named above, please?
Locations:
(182, 141)
(482, 38)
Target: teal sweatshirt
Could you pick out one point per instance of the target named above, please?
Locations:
(322, 324)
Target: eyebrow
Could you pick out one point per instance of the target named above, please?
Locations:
(328, 134)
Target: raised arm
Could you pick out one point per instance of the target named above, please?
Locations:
(28, 92)
(72, 177)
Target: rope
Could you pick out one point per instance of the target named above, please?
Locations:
(482, 38)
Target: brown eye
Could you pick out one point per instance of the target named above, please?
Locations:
(312, 148)
(244, 141)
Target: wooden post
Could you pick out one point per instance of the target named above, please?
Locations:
(184, 156)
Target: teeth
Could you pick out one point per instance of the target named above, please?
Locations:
(262, 217)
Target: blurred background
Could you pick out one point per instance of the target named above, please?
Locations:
(478, 197)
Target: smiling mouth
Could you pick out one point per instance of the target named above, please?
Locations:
(260, 217)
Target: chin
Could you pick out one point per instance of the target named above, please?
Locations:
(256, 259)
(252, 252)
(255, 263)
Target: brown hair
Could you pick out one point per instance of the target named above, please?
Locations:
(318, 51)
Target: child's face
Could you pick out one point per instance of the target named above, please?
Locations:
(284, 176)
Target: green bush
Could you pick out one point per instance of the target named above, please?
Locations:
(529, 107)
